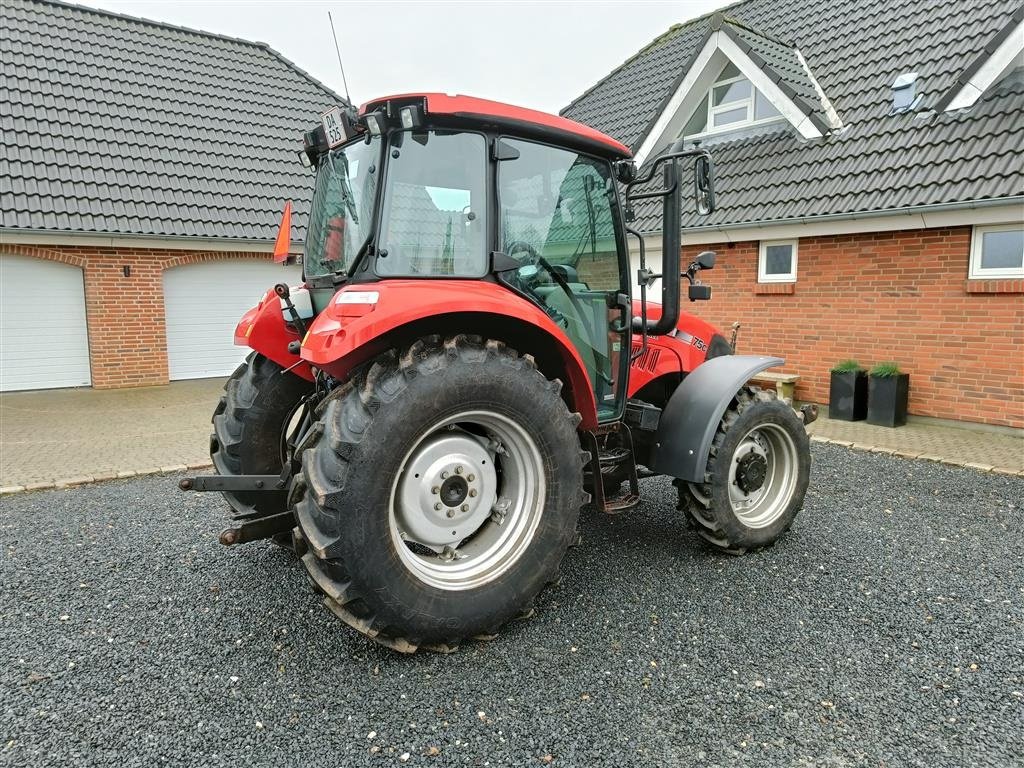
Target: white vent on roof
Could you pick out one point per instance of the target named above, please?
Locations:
(904, 93)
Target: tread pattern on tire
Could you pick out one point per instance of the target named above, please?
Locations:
(350, 410)
(695, 510)
(240, 410)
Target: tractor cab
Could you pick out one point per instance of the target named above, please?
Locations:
(464, 368)
(432, 187)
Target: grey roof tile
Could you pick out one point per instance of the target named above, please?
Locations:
(146, 129)
(855, 50)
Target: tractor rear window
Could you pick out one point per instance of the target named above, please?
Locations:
(434, 218)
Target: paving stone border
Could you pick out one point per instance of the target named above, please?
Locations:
(71, 482)
(920, 456)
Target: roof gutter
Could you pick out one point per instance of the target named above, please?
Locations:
(856, 215)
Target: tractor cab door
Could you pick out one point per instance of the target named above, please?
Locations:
(559, 221)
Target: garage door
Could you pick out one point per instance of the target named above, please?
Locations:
(44, 340)
(204, 303)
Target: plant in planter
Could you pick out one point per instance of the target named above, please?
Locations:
(848, 392)
(888, 390)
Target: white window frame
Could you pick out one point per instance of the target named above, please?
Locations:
(762, 258)
(978, 241)
(750, 102)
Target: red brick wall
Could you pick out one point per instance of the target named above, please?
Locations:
(900, 296)
(127, 337)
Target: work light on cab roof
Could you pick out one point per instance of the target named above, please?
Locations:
(465, 365)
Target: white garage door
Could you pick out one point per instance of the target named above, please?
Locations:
(204, 303)
(44, 340)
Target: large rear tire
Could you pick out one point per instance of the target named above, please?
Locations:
(439, 492)
(249, 426)
(756, 477)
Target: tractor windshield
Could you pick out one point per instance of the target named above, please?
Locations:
(341, 217)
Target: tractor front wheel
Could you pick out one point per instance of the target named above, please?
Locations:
(439, 492)
(756, 476)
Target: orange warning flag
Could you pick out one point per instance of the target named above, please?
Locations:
(284, 234)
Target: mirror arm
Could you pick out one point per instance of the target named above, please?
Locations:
(671, 249)
(670, 195)
(644, 277)
(662, 159)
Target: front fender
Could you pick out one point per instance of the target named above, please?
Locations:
(263, 329)
(691, 416)
(361, 321)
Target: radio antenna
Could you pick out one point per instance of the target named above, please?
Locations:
(337, 49)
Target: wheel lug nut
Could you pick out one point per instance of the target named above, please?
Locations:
(472, 491)
(444, 475)
(435, 490)
(465, 507)
(471, 478)
(437, 506)
(458, 470)
(450, 513)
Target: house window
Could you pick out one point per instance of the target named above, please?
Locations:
(732, 102)
(776, 261)
(997, 251)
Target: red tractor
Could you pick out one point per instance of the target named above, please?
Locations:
(464, 368)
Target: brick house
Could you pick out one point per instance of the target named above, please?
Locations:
(143, 171)
(870, 185)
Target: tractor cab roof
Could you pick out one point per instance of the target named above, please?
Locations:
(471, 112)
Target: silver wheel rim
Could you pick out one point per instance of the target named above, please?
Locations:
(761, 507)
(467, 500)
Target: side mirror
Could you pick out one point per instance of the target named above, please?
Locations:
(704, 184)
(625, 171)
(706, 259)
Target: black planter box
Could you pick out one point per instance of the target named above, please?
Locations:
(848, 396)
(887, 400)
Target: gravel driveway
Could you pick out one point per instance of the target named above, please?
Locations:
(886, 629)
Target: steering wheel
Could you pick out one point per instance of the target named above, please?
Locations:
(516, 246)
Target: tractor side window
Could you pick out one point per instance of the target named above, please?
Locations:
(559, 205)
(558, 221)
(434, 218)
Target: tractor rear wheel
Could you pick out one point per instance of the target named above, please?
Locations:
(249, 428)
(756, 476)
(439, 492)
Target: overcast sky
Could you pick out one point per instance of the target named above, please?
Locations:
(535, 54)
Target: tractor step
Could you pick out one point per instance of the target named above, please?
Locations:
(614, 457)
(610, 459)
(620, 503)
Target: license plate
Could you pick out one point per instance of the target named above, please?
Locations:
(333, 127)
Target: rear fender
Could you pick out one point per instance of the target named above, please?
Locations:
(263, 329)
(363, 321)
(691, 416)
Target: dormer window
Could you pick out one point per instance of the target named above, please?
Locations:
(739, 80)
(732, 102)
